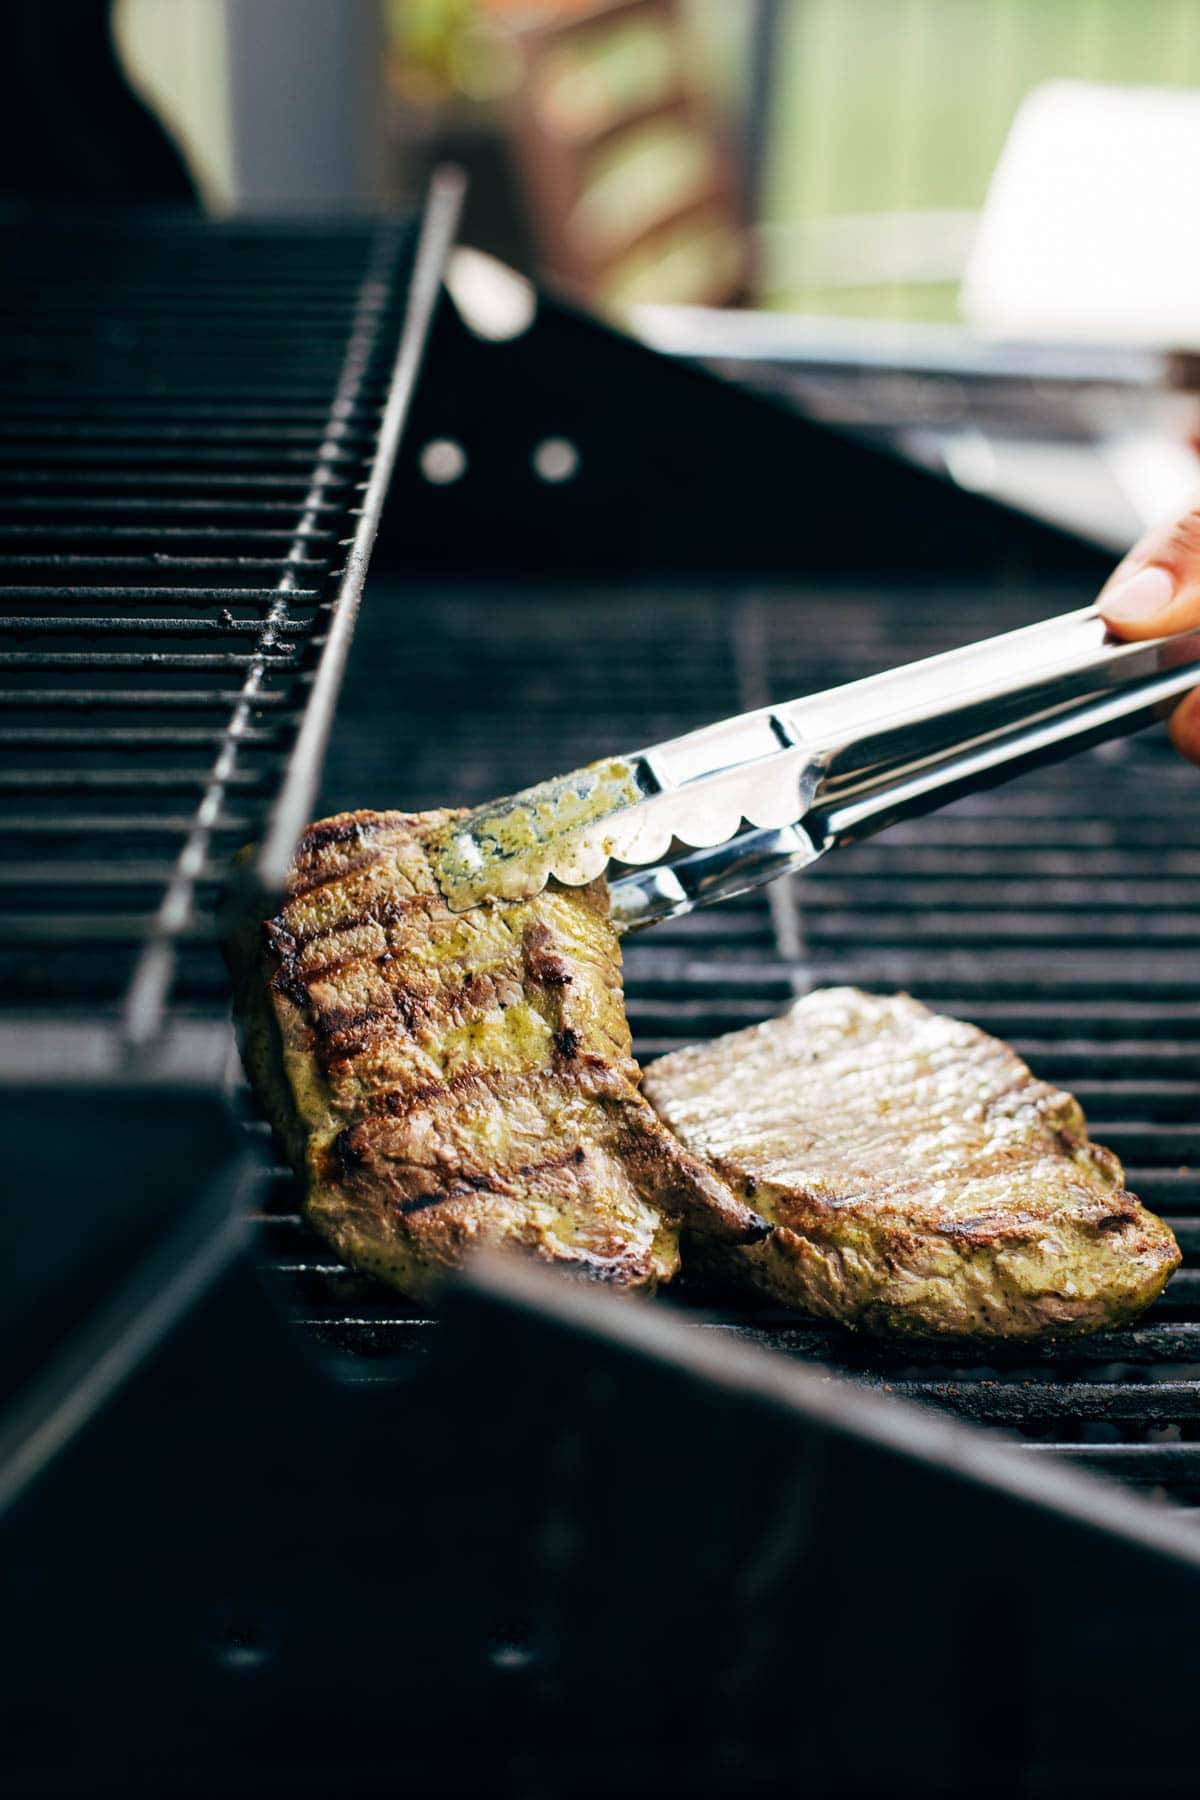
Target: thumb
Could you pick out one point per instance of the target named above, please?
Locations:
(1155, 591)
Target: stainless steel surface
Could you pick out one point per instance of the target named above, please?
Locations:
(722, 810)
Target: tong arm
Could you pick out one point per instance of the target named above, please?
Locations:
(723, 809)
(905, 742)
(898, 745)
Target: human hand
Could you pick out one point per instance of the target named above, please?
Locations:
(1154, 591)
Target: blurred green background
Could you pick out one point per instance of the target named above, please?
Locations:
(886, 117)
(886, 109)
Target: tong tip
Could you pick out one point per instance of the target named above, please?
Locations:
(509, 849)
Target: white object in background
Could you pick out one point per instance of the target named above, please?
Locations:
(1067, 484)
(1159, 477)
(1089, 227)
(491, 299)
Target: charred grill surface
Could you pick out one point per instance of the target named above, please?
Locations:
(447, 1082)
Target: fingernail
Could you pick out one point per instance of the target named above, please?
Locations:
(1143, 595)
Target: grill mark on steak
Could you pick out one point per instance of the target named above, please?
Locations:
(346, 1033)
(300, 890)
(478, 990)
(395, 1103)
(496, 1183)
(400, 1102)
(543, 964)
(386, 909)
(350, 829)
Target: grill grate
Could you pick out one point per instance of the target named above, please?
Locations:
(198, 424)
(1053, 912)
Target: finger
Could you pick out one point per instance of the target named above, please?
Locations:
(1156, 589)
(1185, 726)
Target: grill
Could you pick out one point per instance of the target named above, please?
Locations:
(199, 423)
(198, 428)
(1056, 912)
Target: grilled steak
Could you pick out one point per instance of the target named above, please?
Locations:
(918, 1178)
(446, 1081)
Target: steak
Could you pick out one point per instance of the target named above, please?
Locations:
(446, 1081)
(917, 1177)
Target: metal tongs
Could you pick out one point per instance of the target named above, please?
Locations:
(721, 810)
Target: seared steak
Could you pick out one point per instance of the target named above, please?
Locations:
(918, 1178)
(444, 1081)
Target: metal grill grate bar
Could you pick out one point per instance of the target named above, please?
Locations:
(159, 563)
(157, 661)
(175, 596)
(114, 624)
(144, 483)
(118, 825)
(123, 699)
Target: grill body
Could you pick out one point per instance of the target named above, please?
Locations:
(240, 1535)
